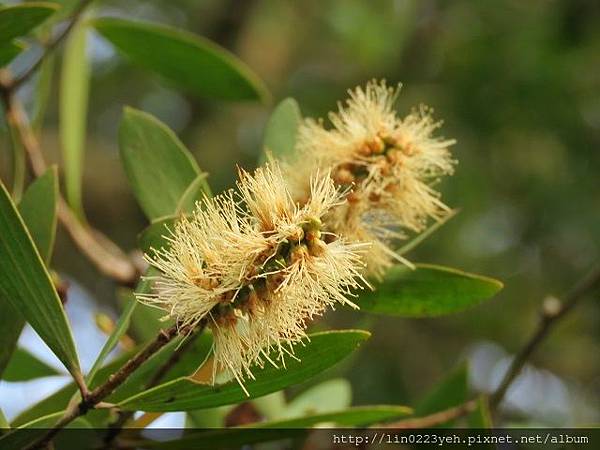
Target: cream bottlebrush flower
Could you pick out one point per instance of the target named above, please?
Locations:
(256, 268)
(387, 164)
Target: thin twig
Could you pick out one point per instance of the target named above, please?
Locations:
(81, 384)
(117, 378)
(116, 427)
(111, 261)
(552, 311)
(175, 358)
(50, 45)
(434, 419)
(102, 252)
(96, 396)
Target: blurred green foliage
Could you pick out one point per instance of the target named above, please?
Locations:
(516, 83)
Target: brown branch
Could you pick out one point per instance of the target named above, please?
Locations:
(552, 311)
(117, 378)
(96, 396)
(116, 427)
(101, 251)
(175, 357)
(50, 45)
(112, 262)
(434, 419)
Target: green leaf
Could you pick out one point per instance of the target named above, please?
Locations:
(188, 362)
(11, 325)
(19, 20)
(26, 434)
(146, 321)
(451, 391)
(58, 401)
(427, 291)
(276, 430)
(282, 128)
(3, 422)
(52, 404)
(23, 366)
(27, 286)
(120, 329)
(189, 61)
(353, 416)
(157, 164)
(196, 191)
(9, 51)
(74, 90)
(38, 210)
(43, 90)
(481, 417)
(153, 236)
(185, 393)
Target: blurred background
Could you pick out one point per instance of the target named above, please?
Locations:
(516, 83)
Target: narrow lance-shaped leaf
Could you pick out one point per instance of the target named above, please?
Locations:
(146, 321)
(159, 167)
(427, 291)
(38, 210)
(19, 438)
(3, 422)
(11, 325)
(58, 401)
(27, 286)
(9, 51)
(120, 329)
(18, 20)
(186, 393)
(153, 236)
(281, 129)
(187, 60)
(451, 391)
(352, 416)
(45, 73)
(197, 352)
(276, 430)
(189, 361)
(481, 417)
(197, 191)
(24, 366)
(74, 89)
(23, 437)
(43, 91)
